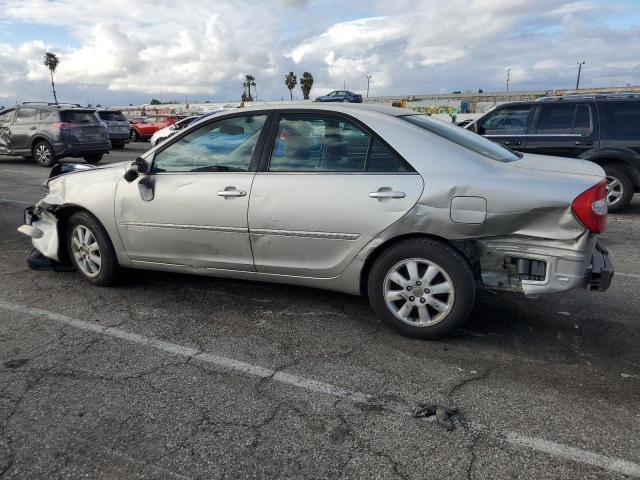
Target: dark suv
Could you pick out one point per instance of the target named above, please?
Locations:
(603, 128)
(47, 132)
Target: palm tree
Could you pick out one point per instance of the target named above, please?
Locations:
(306, 82)
(51, 61)
(249, 81)
(290, 80)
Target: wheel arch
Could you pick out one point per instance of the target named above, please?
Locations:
(41, 138)
(621, 163)
(63, 213)
(466, 248)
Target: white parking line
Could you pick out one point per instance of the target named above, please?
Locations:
(629, 275)
(559, 450)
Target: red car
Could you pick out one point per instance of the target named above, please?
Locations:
(143, 129)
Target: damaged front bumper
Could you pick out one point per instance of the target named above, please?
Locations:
(40, 224)
(536, 266)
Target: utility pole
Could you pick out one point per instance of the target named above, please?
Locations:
(508, 75)
(368, 80)
(344, 84)
(579, 70)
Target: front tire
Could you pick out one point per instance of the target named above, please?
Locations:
(422, 288)
(346, 100)
(619, 189)
(44, 154)
(92, 158)
(90, 249)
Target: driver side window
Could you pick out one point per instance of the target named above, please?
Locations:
(223, 146)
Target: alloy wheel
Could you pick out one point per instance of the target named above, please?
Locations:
(86, 250)
(418, 292)
(615, 190)
(43, 154)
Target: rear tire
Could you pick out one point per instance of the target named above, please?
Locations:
(436, 291)
(117, 146)
(92, 158)
(134, 136)
(619, 189)
(44, 154)
(90, 249)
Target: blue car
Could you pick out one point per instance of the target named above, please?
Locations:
(340, 96)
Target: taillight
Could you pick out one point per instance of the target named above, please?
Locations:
(590, 207)
(64, 125)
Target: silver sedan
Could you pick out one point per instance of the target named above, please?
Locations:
(413, 213)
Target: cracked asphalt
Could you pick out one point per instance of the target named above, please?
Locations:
(139, 380)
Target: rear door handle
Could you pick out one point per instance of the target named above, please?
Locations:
(584, 144)
(514, 142)
(231, 192)
(387, 194)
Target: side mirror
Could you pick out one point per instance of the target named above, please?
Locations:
(138, 167)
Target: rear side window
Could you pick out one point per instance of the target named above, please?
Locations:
(463, 138)
(26, 115)
(326, 143)
(506, 121)
(78, 116)
(112, 116)
(620, 118)
(48, 115)
(567, 118)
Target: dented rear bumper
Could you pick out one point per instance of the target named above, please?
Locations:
(538, 266)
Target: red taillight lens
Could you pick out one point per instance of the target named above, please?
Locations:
(64, 125)
(590, 207)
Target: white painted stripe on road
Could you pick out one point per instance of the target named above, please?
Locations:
(545, 446)
(577, 455)
(630, 275)
(20, 202)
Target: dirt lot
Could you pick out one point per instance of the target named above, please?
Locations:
(174, 376)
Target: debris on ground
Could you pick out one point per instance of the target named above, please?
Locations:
(39, 262)
(443, 414)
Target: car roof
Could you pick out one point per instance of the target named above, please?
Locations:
(331, 107)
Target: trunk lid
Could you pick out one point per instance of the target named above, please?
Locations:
(546, 163)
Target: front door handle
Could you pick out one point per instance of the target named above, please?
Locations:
(387, 194)
(231, 192)
(33, 128)
(513, 142)
(583, 144)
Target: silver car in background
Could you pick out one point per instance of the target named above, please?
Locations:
(413, 213)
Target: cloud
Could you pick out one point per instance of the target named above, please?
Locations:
(133, 50)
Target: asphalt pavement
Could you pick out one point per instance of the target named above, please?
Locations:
(184, 377)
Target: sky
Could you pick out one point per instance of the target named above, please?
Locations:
(120, 52)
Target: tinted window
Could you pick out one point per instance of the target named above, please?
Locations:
(26, 115)
(222, 146)
(318, 143)
(382, 159)
(506, 121)
(78, 116)
(621, 118)
(462, 137)
(112, 116)
(6, 117)
(565, 118)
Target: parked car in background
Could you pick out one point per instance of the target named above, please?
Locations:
(602, 128)
(48, 132)
(144, 129)
(117, 127)
(345, 96)
(161, 135)
(409, 211)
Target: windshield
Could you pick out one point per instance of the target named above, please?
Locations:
(462, 137)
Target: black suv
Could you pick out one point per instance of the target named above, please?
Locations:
(603, 128)
(46, 132)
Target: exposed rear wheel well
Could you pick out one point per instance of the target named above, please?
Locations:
(466, 248)
(633, 173)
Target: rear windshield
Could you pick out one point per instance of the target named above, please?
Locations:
(464, 138)
(112, 116)
(78, 116)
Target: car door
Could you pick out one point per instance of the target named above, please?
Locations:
(200, 184)
(506, 125)
(24, 126)
(563, 129)
(326, 187)
(6, 117)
